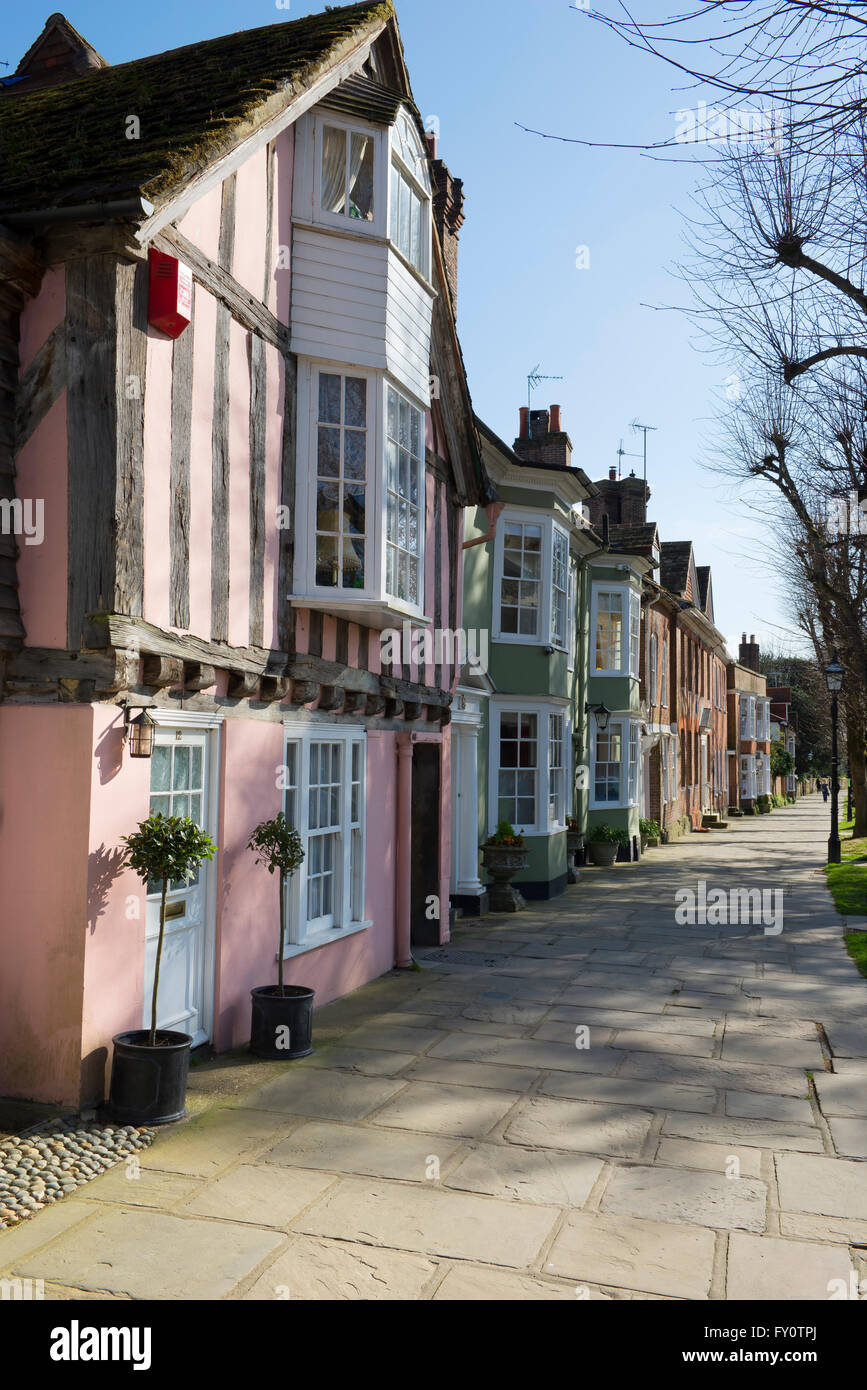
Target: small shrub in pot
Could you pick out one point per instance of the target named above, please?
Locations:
(281, 1026)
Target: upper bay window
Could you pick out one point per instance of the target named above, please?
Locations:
(532, 581)
(372, 180)
(409, 220)
(347, 174)
(361, 491)
(616, 628)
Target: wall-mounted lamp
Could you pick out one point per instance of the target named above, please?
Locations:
(139, 733)
(601, 713)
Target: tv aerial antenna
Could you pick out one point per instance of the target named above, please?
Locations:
(533, 380)
(645, 429)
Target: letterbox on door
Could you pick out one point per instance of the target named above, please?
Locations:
(170, 294)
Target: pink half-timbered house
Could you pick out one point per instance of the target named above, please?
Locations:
(220, 525)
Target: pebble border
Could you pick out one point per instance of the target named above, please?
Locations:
(54, 1161)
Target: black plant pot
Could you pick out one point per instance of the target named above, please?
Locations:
(149, 1084)
(281, 1027)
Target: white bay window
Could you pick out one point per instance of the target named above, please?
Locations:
(360, 488)
(614, 765)
(529, 770)
(616, 630)
(532, 586)
(323, 778)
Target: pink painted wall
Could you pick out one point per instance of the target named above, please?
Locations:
(45, 755)
(157, 478)
(239, 487)
(201, 454)
(201, 223)
(42, 569)
(42, 314)
(251, 206)
(114, 957)
(248, 921)
(247, 902)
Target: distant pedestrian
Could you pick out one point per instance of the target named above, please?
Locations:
(825, 791)
(818, 784)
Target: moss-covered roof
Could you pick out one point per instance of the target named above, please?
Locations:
(67, 144)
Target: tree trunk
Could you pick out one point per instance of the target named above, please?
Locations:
(855, 735)
(153, 1033)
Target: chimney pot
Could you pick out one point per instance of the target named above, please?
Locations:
(431, 142)
(556, 425)
(612, 475)
(524, 425)
(752, 638)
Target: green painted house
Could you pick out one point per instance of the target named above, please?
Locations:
(528, 563)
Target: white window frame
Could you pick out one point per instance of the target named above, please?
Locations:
(543, 709)
(663, 696)
(630, 631)
(543, 636)
(304, 935)
(570, 603)
(653, 667)
(665, 753)
(629, 764)
(560, 539)
(381, 166)
(374, 593)
(421, 189)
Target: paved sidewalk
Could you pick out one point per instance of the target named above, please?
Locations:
(449, 1139)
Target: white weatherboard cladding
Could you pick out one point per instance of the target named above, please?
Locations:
(354, 302)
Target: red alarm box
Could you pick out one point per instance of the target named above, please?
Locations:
(170, 294)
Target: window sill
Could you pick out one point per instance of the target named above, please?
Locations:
(312, 943)
(369, 612)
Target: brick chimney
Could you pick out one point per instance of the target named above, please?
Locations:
(748, 652)
(623, 500)
(58, 55)
(541, 437)
(448, 215)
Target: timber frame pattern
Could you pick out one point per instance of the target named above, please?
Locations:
(112, 652)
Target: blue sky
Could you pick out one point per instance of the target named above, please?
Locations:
(480, 66)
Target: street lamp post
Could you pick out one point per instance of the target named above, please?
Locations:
(834, 681)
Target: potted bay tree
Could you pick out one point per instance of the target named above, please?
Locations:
(281, 1027)
(150, 1065)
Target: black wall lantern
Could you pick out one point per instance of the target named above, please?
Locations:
(601, 713)
(140, 729)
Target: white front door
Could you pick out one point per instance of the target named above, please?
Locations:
(179, 787)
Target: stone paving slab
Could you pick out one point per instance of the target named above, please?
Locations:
(693, 1196)
(314, 1269)
(749, 1105)
(488, 1076)
(589, 1128)
(715, 1158)
(526, 1052)
(620, 1090)
(623, 1019)
(148, 1254)
(434, 1222)
(842, 1095)
(356, 1149)
(766, 1268)
(731, 1076)
(649, 1256)
(849, 1136)
(470, 1284)
(758, 1134)
(327, 1095)
(824, 1186)
(434, 1108)
(527, 1175)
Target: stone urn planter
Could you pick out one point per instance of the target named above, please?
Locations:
(574, 845)
(502, 863)
(603, 852)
